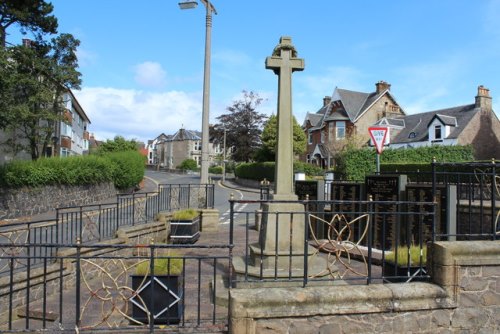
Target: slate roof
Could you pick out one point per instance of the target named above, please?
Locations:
(184, 134)
(418, 123)
(314, 119)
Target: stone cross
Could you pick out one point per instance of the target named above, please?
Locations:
(283, 62)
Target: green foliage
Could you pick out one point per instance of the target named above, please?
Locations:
(188, 164)
(357, 163)
(255, 171)
(162, 266)
(118, 144)
(124, 169)
(308, 169)
(402, 254)
(128, 168)
(243, 127)
(185, 214)
(265, 170)
(215, 169)
(269, 139)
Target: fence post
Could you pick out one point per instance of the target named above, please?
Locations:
(494, 220)
(434, 196)
(306, 240)
(370, 237)
(77, 284)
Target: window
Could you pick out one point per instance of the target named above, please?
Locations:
(412, 135)
(308, 158)
(197, 145)
(437, 132)
(310, 138)
(322, 136)
(340, 130)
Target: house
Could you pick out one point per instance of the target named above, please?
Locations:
(70, 136)
(169, 151)
(345, 117)
(473, 124)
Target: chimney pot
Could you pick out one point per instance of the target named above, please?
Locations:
(326, 100)
(483, 98)
(382, 86)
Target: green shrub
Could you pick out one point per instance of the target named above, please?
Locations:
(215, 169)
(255, 171)
(124, 169)
(308, 169)
(188, 164)
(186, 214)
(161, 266)
(402, 253)
(357, 163)
(128, 168)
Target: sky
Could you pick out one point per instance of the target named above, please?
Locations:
(142, 61)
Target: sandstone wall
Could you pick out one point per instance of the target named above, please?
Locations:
(27, 201)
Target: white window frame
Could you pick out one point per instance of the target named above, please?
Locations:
(338, 134)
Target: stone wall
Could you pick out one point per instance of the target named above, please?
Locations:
(464, 297)
(27, 201)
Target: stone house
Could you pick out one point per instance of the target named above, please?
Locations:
(473, 124)
(168, 151)
(344, 116)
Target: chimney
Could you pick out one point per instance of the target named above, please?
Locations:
(326, 100)
(382, 86)
(27, 42)
(483, 98)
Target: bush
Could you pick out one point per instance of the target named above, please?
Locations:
(357, 163)
(161, 266)
(215, 169)
(186, 214)
(188, 164)
(128, 168)
(124, 169)
(265, 170)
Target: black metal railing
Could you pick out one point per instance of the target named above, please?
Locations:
(356, 245)
(98, 288)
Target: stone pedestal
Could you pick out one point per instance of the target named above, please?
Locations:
(209, 220)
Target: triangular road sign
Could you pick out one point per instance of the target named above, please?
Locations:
(378, 134)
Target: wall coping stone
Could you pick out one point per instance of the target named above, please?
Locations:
(468, 253)
(326, 300)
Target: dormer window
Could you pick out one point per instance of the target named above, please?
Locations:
(412, 135)
(437, 132)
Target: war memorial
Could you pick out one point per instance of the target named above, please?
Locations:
(388, 254)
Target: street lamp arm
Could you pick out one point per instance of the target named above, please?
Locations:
(209, 6)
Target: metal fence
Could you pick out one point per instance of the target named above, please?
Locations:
(99, 288)
(376, 242)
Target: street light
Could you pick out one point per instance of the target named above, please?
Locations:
(206, 85)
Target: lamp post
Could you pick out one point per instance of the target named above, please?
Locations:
(206, 86)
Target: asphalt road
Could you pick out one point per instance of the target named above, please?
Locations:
(222, 192)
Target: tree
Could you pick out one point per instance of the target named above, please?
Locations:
(30, 15)
(118, 144)
(243, 127)
(41, 74)
(269, 139)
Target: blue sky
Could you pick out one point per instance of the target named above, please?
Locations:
(142, 61)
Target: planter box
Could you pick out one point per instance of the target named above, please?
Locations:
(165, 302)
(185, 231)
(405, 273)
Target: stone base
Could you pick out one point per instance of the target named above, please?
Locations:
(209, 220)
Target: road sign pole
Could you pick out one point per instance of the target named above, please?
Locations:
(378, 163)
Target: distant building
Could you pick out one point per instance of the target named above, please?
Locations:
(169, 151)
(70, 135)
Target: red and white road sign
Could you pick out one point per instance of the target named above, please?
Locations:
(378, 135)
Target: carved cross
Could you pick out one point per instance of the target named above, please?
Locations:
(284, 62)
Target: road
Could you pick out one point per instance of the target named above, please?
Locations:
(222, 192)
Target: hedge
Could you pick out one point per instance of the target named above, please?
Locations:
(357, 163)
(265, 170)
(124, 169)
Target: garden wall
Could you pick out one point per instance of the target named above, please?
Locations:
(464, 297)
(27, 201)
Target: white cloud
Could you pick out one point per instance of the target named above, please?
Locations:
(137, 114)
(150, 74)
